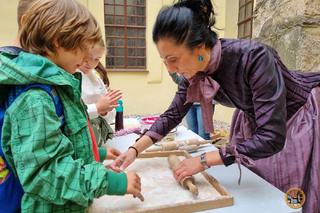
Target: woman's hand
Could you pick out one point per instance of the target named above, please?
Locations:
(191, 166)
(187, 167)
(108, 102)
(123, 161)
(112, 153)
(134, 184)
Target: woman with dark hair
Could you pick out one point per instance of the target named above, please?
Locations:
(275, 129)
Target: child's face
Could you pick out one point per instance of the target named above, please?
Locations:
(69, 60)
(95, 54)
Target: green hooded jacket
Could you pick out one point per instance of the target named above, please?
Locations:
(55, 165)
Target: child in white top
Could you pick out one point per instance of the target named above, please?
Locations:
(96, 96)
(100, 101)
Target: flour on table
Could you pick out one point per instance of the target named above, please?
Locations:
(159, 189)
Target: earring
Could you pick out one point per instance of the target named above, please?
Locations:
(200, 58)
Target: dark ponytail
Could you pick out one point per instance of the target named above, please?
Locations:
(187, 21)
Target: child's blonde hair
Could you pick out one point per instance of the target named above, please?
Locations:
(64, 23)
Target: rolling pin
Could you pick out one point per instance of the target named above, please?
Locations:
(192, 141)
(187, 182)
(188, 145)
(172, 146)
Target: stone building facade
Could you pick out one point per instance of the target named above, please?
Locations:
(292, 27)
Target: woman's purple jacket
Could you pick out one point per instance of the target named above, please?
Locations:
(253, 79)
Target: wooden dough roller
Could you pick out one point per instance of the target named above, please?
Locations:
(187, 182)
(193, 141)
(172, 146)
(188, 145)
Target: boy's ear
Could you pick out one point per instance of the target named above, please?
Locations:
(51, 52)
(56, 44)
(22, 20)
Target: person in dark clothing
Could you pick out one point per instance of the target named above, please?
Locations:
(277, 110)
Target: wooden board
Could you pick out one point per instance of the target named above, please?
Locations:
(162, 193)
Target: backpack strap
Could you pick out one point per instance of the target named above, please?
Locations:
(11, 191)
(48, 88)
(12, 50)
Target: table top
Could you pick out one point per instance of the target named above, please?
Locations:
(254, 194)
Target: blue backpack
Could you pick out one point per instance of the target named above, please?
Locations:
(11, 191)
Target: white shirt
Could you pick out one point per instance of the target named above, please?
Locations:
(92, 90)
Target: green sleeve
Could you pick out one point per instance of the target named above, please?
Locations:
(103, 152)
(43, 156)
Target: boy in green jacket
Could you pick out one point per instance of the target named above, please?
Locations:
(55, 165)
(23, 6)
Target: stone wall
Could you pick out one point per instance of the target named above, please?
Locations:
(292, 27)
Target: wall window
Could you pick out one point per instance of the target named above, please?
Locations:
(125, 26)
(245, 19)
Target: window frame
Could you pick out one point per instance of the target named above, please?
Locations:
(126, 57)
(247, 19)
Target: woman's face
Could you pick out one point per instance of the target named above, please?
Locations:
(95, 54)
(180, 59)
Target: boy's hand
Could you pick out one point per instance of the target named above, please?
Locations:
(112, 153)
(134, 184)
